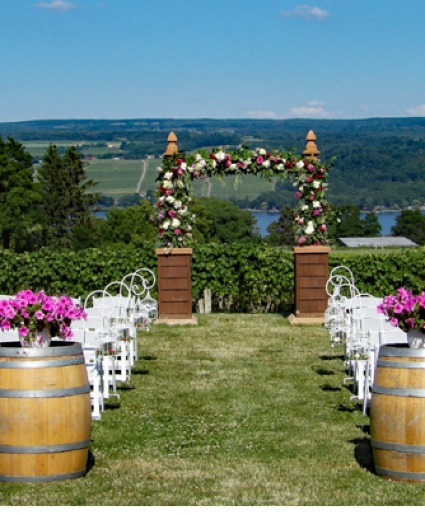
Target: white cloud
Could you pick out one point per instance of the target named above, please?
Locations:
(56, 5)
(261, 114)
(312, 108)
(416, 111)
(306, 12)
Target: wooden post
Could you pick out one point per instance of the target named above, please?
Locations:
(311, 151)
(175, 285)
(172, 147)
(174, 274)
(311, 268)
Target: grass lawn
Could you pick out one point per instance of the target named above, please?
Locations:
(238, 410)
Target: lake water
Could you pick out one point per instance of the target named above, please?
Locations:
(386, 219)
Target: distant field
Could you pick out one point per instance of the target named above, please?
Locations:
(248, 187)
(115, 178)
(38, 148)
(121, 177)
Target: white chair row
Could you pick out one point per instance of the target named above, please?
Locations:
(109, 334)
(353, 321)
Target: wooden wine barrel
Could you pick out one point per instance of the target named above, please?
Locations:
(397, 414)
(45, 413)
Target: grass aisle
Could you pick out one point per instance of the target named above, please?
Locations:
(239, 410)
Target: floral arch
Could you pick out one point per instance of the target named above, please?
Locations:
(175, 176)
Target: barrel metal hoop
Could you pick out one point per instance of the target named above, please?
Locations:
(41, 394)
(41, 479)
(44, 449)
(398, 447)
(42, 364)
(402, 392)
(406, 352)
(400, 474)
(70, 349)
(400, 364)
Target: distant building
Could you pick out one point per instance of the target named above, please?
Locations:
(378, 242)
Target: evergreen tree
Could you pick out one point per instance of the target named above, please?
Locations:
(372, 227)
(131, 225)
(19, 197)
(410, 224)
(81, 200)
(350, 223)
(282, 230)
(222, 222)
(66, 203)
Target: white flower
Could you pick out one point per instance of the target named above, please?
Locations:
(179, 184)
(170, 199)
(175, 223)
(168, 175)
(183, 212)
(316, 184)
(300, 165)
(310, 228)
(316, 204)
(167, 184)
(280, 166)
(261, 151)
(220, 155)
(166, 225)
(266, 164)
(233, 166)
(183, 166)
(177, 204)
(304, 207)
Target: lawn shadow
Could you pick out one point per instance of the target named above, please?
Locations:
(351, 408)
(332, 357)
(363, 453)
(330, 388)
(324, 372)
(140, 371)
(148, 358)
(90, 461)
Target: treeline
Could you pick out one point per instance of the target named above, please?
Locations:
(54, 207)
(379, 162)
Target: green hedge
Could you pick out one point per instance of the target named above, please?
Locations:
(242, 277)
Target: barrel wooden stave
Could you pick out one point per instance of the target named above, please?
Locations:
(45, 415)
(397, 418)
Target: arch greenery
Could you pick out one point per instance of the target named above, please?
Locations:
(309, 177)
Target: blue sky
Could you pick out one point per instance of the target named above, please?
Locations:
(112, 59)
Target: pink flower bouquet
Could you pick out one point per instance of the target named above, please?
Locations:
(33, 312)
(405, 310)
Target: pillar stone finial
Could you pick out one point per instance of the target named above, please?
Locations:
(172, 147)
(311, 151)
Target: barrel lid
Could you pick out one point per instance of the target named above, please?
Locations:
(57, 348)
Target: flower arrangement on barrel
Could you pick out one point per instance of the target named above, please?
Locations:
(406, 311)
(175, 185)
(39, 317)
